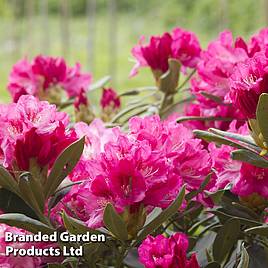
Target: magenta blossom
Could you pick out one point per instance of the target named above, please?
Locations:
(46, 73)
(185, 47)
(214, 69)
(110, 99)
(181, 45)
(33, 127)
(162, 252)
(248, 82)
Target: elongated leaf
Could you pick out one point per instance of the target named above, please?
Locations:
(63, 165)
(26, 223)
(225, 240)
(28, 195)
(262, 115)
(213, 265)
(234, 136)
(259, 230)
(75, 226)
(225, 217)
(249, 157)
(203, 118)
(244, 260)
(100, 83)
(12, 203)
(56, 265)
(114, 223)
(162, 217)
(207, 136)
(7, 181)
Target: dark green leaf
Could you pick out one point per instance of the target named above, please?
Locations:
(11, 203)
(213, 265)
(63, 165)
(75, 226)
(162, 217)
(7, 181)
(114, 223)
(249, 157)
(56, 265)
(226, 239)
(262, 115)
(259, 230)
(26, 223)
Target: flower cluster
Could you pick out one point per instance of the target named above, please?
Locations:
(47, 78)
(32, 131)
(165, 252)
(142, 168)
(180, 45)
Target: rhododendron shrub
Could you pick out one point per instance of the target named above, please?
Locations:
(173, 175)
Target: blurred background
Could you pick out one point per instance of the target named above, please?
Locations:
(100, 33)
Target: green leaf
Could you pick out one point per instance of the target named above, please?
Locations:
(217, 196)
(225, 240)
(114, 223)
(7, 181)
(26, 223)
(75, 226)
(137, 91)
(100, 83)
(262, 115)
(234, 136)
(169, 80)
(63, 165)
(207, 136)
(259, 230)
(56, 265)
(223, 217)
(213, 265)
(162, 217)
(244, 260)
(12, 203)
(249, 157)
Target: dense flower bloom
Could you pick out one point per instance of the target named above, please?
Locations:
(185, 47)
(258, 42)
(214, 69)
(110, 99)
(180, 44)
(248, 82)
(162, 252)
(32, 128)
(145, 167)
(46, 77)
(245, 178)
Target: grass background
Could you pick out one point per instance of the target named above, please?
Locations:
(21, 36)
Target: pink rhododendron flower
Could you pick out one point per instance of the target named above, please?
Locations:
(146, 166)
(110, 99)
(155, 54)
(180, 44)
(162, 252)
(46, 73)
(248, 82)
(214, 69)
(185, 47)
(30, 118)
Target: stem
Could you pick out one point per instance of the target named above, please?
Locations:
(186, 79)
